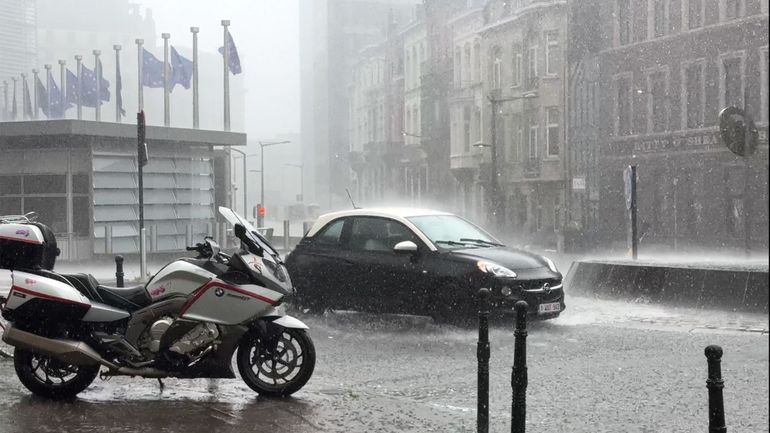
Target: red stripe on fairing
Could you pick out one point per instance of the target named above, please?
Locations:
(218, 284)
(47, 297)
(25, 240)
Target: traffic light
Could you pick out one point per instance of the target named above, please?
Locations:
(260, 211)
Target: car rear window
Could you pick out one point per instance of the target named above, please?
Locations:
(330, 235)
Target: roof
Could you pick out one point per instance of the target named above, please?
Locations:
(397, 213)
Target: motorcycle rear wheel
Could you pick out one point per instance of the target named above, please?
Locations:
(282, 372)
(51, 378)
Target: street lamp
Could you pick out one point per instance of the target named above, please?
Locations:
(262, 146)
(301, 180)
(245, 195)
(493, 147)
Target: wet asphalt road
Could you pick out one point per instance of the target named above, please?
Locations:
(601, 367)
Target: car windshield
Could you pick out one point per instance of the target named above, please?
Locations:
(452, 232)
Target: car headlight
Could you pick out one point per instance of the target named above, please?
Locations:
(495, 269)
(551, 265)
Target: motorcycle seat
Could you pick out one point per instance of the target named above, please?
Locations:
(126, 298)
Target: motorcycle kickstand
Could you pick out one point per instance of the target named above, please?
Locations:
(160, 382)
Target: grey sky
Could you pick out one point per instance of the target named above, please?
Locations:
(266, 33)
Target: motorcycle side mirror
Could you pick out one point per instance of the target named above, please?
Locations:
(251, 246)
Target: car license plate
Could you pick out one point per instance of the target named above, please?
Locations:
(553, 307)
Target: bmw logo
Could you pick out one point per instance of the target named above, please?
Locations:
(219, 292)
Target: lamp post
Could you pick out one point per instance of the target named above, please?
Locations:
(262, 146)
(301, 180)
(494, 182)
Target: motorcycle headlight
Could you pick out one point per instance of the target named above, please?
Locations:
(551, 265)
(495, 269)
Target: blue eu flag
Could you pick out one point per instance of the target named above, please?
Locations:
(182, 70)
(234, 61)
(88, 83)
(41, 94)
(58, 103)
(152, 70)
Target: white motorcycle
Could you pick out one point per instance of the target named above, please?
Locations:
(186, 322)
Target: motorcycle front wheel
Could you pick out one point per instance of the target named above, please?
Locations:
(280, 372)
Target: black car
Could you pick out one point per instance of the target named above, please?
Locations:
(413, 261)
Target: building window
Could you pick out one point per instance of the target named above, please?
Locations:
(476, 62)
(659, 16)
(468, 73)
(657, 101)
(458, 68)
(532, 62)
(623, 107)
(763, 91)
(694, 14)
(496, 72)
(731, 9)
(624, 22)
(552, 53)
(731, 85)
(517, 139)
(517, 59)
(533, 144)
(693, 95)
(466, 129)
(552, 132)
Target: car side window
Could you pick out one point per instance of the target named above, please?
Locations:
(331, 235)
(377, 234)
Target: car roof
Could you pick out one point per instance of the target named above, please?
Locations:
(398, 213)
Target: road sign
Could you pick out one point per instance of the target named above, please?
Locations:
(578, 184)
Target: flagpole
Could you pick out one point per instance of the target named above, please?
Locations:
(24, 96)
(14, 110)
(140, 98)
(35, 73)
(98, 73)
(166, 93)
(5, 100)
(62, 86)
(196, 119)
(226, 56)
(118, 101)
(48, 89)
(79, 59)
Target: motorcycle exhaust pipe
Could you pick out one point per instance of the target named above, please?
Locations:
(69, 351)
(73, 352)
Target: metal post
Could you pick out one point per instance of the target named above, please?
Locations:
(63, 86)
(98, 73)
(260, 217)
(35, 108)
(519, 376)
(286, 238)
(747, 137)
(226, 58)
(715, 384)
(634, 212)
(482, 355)
(140, 63)
(118, 79)
(79, 68)
(119, 271)
(196, 118)
(166, 78)
(154, 238)
(108, 239)
(48, 89)
(143, 252)
(188, 234)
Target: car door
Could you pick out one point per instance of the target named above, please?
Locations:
(384, 280)
(321, 266)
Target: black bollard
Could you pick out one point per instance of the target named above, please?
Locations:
(715, 384)
(482, 354)
(519, 376)
(119, 271)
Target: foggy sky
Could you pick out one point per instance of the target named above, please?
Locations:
(266, 33)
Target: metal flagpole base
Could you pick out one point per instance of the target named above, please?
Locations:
(143, 253)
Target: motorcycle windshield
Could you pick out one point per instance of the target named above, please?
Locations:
(234, 218)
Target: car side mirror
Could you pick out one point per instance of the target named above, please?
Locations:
(405, 248)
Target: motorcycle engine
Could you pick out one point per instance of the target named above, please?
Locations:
(156, 331)
(196, 338)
